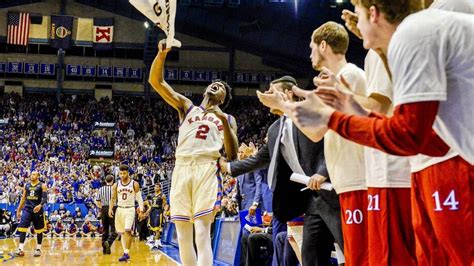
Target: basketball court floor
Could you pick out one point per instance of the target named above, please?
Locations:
(79, 251)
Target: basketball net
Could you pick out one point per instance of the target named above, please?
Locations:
(162, 13)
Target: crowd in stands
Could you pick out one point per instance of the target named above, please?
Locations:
(54, 138)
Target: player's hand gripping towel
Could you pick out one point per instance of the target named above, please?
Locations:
(162, 13)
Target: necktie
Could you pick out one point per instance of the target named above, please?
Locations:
(271, 168)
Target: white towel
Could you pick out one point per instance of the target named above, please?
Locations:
(162, 13)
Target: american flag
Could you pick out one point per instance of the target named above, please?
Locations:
(18, 28)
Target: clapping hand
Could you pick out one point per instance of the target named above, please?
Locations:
(350, 18)
(310, 115)
(340, 98)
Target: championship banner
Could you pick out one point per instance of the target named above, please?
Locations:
(186, 75)
(134, 73)
(254, 78)
(120, 72)
(102, 153)
(61, 30)
(267, 78)
(163, 14)
(31, 68)
(105, 72)
(73, 70)
(213, 75)
(103, 33)
(171, 74)
(240, 77)
(88, 71)
(47, 69)
(15, 67)
(200, 75)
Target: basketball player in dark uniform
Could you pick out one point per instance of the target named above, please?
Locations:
(33, 198)
(158, 205)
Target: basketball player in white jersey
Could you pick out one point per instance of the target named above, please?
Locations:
(125, 192)
(196, 186)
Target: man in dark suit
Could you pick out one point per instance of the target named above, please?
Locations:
(249, 190)
(289, 151)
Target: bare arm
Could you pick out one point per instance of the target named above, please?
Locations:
(157, 81)
(113, 200)
(22, 200)
(138, 195)
(231, 144)
(165, 203)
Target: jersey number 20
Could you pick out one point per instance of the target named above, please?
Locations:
(202, 132)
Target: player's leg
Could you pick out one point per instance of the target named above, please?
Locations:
(204, 205)
(26, 217)
(202, 226)
(354, 226)
(442, 213)
(390, 232)
(39, 223)
(181, 210)
(129, 219)
(158, 231)
(187, 254)
(153, 221)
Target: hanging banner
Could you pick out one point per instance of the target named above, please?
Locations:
(162, 13)
(61, 31)
(73, 70)
(15, 67)
(47, 69)
(103, 33)
(31, 68)
(105, 72)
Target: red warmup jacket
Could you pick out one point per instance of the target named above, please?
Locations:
(408, 132)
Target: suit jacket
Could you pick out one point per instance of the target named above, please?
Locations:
(249, 190)
(288, 200)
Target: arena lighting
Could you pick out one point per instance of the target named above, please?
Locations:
(339, 1)
(146, 24)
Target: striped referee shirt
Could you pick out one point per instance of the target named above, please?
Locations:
(104, 195)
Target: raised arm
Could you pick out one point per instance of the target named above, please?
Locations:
(157, 81)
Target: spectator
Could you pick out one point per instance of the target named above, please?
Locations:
(5, 223)
(90, 216)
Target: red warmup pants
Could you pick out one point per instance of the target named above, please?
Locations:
(442, 213)
(354, 227)
(391, 238)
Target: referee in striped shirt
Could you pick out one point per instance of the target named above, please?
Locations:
(103, 200)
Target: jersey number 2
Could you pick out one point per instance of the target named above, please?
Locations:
(202, 132)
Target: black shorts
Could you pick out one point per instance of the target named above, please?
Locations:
(155, 220)
(28, 217)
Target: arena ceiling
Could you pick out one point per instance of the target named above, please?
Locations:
(277, 30)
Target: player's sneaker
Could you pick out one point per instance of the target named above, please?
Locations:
(154, 248)
(19, 253)
(107, 247)
(37, 253)
(125, 257)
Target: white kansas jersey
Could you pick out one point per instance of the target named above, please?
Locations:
(125, 194)
(200, 134)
